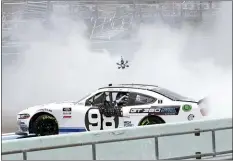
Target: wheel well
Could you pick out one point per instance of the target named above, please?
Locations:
(151, 117)
(35, 117)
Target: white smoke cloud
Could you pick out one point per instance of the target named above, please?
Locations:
(58, 64)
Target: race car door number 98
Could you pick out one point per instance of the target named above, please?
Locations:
(94, 120)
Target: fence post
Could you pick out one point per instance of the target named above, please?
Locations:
(24, 155)
(213, 143)
(197, 133)
(198, 155)
(93, 151)
(156, 148)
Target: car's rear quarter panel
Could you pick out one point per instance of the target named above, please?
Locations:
(182, 116)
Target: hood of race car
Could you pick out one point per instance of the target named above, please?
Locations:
(48, 107)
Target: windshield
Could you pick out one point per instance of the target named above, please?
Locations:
(171, 95)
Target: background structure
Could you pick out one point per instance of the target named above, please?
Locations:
(110, 23)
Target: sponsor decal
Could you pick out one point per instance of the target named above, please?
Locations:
(144, 110)
(128, 124)
(157, 110)
(191, 117)
(66, 117)
(186, 108)
(45, 110)
(67, 111)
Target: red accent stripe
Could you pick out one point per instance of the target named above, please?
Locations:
(66, 117)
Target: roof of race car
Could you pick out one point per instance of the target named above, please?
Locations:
(153, 88)
(138, 86)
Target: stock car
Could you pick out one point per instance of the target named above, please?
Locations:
(110, 107)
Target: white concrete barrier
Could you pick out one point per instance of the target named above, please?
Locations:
(149, 142)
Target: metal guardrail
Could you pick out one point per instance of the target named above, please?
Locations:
(197, 132)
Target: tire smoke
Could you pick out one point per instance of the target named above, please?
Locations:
(58, 65)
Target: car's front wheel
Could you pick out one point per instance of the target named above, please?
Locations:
(45, 125)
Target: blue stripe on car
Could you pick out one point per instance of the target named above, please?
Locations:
(72, 129)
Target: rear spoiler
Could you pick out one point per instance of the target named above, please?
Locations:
(203, 104)
(187, 100)
(202, 100)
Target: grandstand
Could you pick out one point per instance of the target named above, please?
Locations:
(108, 21)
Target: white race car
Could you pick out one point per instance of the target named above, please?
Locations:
(124, 105)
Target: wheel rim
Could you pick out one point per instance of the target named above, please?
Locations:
(46, 127)
(148, 122)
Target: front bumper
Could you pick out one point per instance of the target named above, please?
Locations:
(22, 127)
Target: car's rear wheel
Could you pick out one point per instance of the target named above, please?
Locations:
(151, 120)
(45, 125)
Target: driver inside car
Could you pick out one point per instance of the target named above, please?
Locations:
(107, 101)
(121, 98)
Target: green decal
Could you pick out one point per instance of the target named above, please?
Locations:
(187, 108)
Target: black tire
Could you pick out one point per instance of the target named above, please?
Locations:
(151, 120)
(45, 125)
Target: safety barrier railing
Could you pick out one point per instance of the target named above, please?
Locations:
(197, 132)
